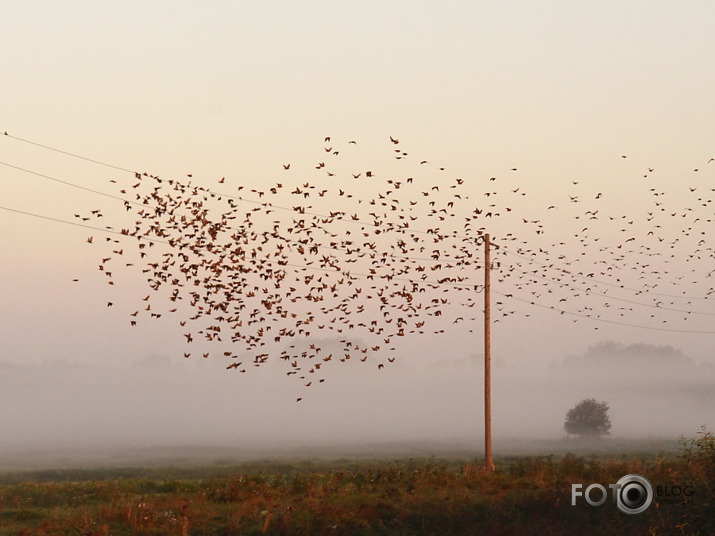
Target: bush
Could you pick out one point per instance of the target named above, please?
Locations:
(588, 418)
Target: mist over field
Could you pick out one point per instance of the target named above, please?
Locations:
(653, 391)
(255, 254)
(282, 184)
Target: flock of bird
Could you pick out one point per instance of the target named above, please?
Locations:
(341, 252)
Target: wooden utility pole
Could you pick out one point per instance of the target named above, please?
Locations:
(488, 461)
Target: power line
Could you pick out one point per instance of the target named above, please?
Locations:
(434, 284)
(230, 196)
(598, 319)
(291, 210)
(125, 201)
(568, 272)
(615, 298)
(71, 184)
(477, 288)
(74, 155)
(77, 224)
(269, 205)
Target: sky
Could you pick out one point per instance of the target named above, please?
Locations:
(560, 101)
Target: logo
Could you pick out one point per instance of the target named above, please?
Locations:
(632, 494)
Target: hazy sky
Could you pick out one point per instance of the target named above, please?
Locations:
(559, 91)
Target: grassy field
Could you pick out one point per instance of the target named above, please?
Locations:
(527, 495)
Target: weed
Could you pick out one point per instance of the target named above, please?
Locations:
(526, 495)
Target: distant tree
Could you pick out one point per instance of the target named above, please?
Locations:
(588, 418)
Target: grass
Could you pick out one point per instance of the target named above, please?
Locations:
(527, 495)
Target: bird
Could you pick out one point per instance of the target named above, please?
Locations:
(256, 272)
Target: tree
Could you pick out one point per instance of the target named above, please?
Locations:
(588, 418)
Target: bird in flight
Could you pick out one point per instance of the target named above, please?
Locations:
(311, 269)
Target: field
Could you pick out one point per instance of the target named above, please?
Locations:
(528, 494)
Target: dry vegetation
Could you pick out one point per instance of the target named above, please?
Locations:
(527, 495)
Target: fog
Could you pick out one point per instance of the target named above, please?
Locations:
(653, 391)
